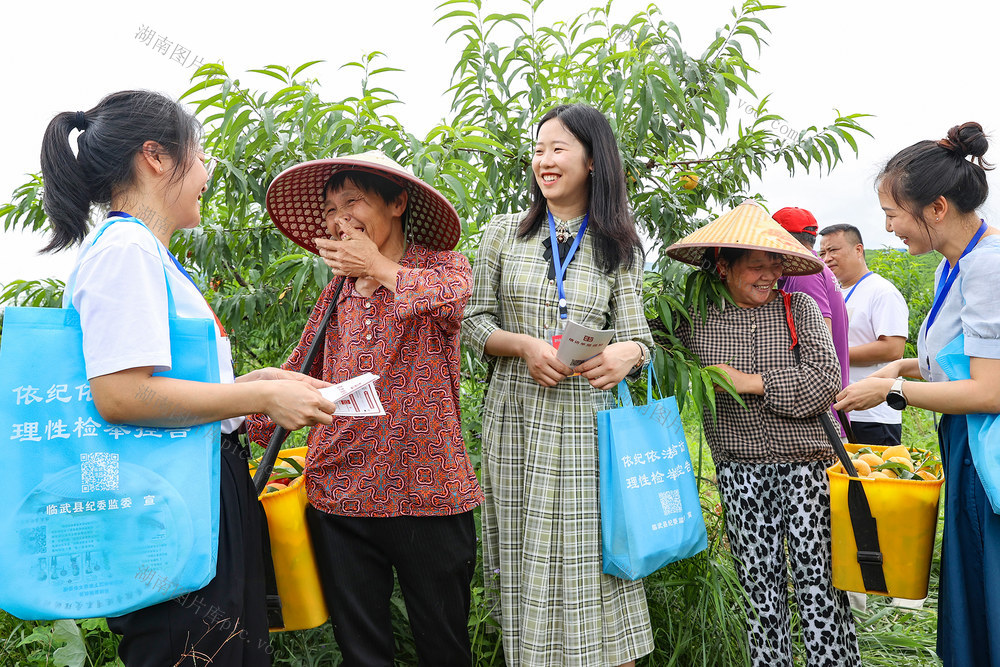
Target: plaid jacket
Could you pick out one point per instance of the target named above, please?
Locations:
(782, 426)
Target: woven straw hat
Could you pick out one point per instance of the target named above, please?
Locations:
(295, 201)
(747, 226)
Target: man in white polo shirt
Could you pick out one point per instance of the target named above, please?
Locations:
(878, 324)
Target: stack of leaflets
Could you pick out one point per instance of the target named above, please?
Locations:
(355, 397)
(579, 343)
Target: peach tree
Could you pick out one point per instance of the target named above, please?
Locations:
(694, 135)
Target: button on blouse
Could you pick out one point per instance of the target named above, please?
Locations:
(412, 461)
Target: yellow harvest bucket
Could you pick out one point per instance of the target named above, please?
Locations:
(302, 603)
(906, 512)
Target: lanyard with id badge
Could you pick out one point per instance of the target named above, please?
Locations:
(948, 276)
(554, 334)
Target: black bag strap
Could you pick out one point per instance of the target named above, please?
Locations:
(864, 525)
(270, 455)
(275, 618)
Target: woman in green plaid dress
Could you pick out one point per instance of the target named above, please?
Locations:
(541, 518)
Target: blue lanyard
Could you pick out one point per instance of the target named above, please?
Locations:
(559, 265)
(848, 297)
(123, 214)
(183, 270)
(949, 275)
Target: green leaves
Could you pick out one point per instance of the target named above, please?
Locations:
(673, 113)
(26, 210)
(902, 471)
(45, 293)
(71, 649)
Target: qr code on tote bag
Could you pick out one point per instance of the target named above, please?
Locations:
(670, 501)
(100, 471)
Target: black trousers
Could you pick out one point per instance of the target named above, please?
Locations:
(226, 620)
(434, 558)
(877, 433)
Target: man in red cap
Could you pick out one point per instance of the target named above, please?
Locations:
(822, 287)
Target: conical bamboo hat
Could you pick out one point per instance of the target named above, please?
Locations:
(747, 226)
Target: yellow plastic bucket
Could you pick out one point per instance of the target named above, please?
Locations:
(302, 603)
(906, 513)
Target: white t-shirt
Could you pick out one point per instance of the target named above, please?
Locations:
(121, 296)
(876, 308)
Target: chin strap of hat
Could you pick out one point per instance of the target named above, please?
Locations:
(862, 522)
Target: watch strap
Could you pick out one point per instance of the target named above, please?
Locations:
(895, 398)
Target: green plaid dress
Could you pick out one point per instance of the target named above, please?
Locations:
(541, 517)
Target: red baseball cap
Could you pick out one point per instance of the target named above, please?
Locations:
(795, 220)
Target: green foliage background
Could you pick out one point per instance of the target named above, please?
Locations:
(670, 110)
(914, 278)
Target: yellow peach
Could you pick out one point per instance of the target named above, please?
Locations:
(896, 450)
(902, 460)
(862, 467)
(873, 460)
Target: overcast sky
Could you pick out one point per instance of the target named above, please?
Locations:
(919, 67)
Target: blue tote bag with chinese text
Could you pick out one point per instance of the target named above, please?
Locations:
(99, 519)
(984, 429)
(650, 509)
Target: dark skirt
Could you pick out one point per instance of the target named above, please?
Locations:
(226, 620)
(969, 596)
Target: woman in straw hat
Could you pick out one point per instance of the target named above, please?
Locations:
(574, 255)
(393, 491)
(771, 456)
(930, 192)
(138, 153)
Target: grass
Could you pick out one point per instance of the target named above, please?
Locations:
(887, 635)
(694, 607)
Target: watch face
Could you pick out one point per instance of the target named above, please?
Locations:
(896, 400)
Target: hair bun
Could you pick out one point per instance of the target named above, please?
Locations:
(966, 139)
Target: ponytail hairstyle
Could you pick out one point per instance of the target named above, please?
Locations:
(918, 175)
(610, 221)
(111, 135)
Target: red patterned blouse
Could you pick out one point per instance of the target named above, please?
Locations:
(412, 461)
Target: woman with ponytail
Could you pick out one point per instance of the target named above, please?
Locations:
(930, 193)
(138, 154)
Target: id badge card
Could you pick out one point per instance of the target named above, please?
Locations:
(554, 335)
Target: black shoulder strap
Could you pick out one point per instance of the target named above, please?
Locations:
(275, 618)
(278, 436)
(862, 522)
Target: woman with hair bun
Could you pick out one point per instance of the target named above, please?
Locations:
(930, 193)
(139, 154)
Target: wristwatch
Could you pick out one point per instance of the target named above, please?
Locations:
(895, 398)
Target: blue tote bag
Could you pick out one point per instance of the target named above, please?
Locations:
(650, 509)
(99, 519)
(984, 429)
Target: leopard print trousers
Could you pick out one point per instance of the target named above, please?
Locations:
(767, 506)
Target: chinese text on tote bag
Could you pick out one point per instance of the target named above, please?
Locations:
(99, 519)
(650, 509)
